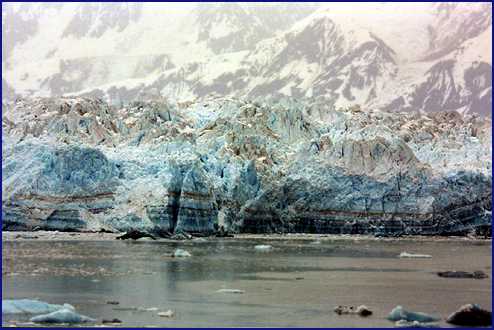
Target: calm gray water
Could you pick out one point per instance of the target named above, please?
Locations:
(297, 284)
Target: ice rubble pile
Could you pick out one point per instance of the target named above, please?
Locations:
(251, 166)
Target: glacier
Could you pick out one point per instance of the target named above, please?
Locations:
(260, 165)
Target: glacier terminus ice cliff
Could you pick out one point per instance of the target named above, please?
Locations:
(247, 118)
(249, 166)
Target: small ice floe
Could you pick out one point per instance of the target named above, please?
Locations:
(398, 314)
(414, 255)
(29, 306)
(168, 313)
(361, 310)
(62, 316)
(237, 291)
(146, 239)
(315, 242)
(179, 253)
(414, 324)
(471, 315)
(148, 309)
(263, 247)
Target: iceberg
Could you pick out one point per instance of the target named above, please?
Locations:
(62, 316)
(179, 253)
(263, 247)
(400, 314)
(414, 255)
(236, 291)
(29, 306)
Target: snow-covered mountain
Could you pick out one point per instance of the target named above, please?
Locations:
(398, 56)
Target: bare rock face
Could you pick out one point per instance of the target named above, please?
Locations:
(245, 166)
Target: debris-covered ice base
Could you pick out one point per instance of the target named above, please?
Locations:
(77, 164)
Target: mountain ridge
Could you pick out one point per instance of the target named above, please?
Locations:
(325, 51)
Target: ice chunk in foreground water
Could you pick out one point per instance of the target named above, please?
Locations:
(263, 247)
(414, 324)
(398, 314)
(179, 253)
(414, 255)
(29, 306)
(230, 291)
(168, 313)
(62, 316)
(147, 309)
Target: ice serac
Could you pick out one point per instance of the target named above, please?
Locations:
(262, 166)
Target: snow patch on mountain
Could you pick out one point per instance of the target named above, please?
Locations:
(401, 56)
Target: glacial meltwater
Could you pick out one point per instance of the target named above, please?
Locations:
(228, 282)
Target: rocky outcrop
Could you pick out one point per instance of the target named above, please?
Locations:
(471, 315)
(255, 167)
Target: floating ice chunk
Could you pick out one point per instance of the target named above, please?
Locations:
(146, 239)
(231, 291)
(62, 316)
(168, 313)
(414, 324)
(179, 253)
(149, 309)
(398, 314)
(29, 306)
(414, 255)
(263, 247)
